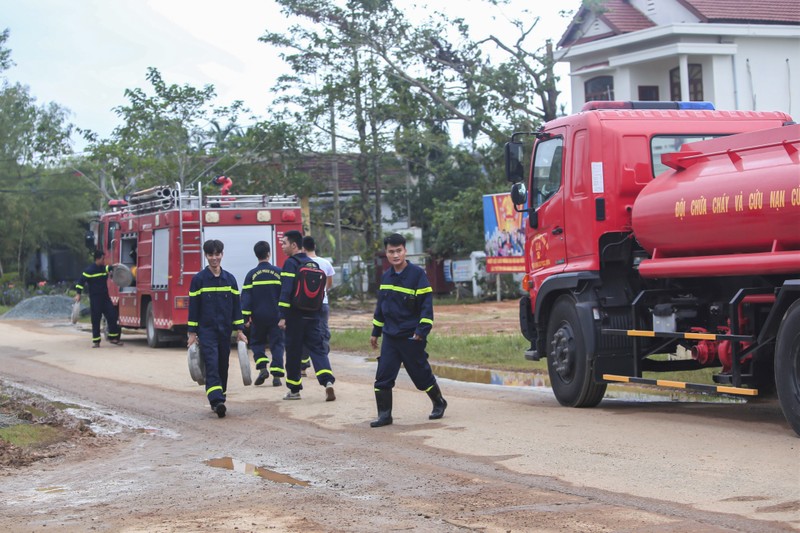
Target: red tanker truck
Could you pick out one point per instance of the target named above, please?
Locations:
(662, 236)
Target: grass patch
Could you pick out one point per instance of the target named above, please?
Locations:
(31, 435)
(494, 351)
(4, 308)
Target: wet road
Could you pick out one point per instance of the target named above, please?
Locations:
(502, 459)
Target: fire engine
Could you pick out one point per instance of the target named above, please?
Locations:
(663, 236)
(155, 239)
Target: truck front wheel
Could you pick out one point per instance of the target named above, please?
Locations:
(155, 338)
(567, 361)
(787, 366)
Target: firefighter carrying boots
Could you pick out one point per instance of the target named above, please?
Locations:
(383, 397)
(439, 403)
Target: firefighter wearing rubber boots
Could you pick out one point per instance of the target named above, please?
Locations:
(404, 315)
(214, 312)
(95, 280)
(260, 294)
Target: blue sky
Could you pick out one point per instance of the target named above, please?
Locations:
(83, 54)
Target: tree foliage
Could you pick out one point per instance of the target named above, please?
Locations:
(40, 202)
(397, 87)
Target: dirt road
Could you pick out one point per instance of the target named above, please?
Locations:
(502, 459)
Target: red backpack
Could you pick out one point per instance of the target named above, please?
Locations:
(309, 287)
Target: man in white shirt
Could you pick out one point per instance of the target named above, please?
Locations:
(309, 247)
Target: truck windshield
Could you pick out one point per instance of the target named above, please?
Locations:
(663, 144)
(546, 170)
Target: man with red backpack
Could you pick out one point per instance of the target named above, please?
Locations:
(299, 306)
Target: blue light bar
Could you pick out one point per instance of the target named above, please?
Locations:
(707, 106)
(648, 104)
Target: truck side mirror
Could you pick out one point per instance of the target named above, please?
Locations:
(514, 156)
(519, 194)
(88, 240)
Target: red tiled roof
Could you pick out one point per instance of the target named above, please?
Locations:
(762, 11)
(622, 17)
(619, 15)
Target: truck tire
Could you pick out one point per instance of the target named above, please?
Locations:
(155, 339)
(787, 366)
(567, 361)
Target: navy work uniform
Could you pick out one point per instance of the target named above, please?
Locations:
(95, 280)
(214, 312)
(302, 331)
(404, 308)
(260, 294)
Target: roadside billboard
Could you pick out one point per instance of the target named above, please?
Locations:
(504, 231)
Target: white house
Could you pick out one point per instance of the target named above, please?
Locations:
(737, 54)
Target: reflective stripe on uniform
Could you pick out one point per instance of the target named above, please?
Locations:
(404, 290)
(227, 288)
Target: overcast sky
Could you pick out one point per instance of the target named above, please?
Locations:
(83, 54)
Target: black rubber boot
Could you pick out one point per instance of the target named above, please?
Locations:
(383, 398)
(439, 403)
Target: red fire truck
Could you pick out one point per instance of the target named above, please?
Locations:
(663, 228)
(157, 236)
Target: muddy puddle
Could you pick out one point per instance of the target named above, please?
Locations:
(229, 463)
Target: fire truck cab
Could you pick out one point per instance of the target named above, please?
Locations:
(155, 239)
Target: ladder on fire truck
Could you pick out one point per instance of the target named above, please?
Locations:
(192, 228)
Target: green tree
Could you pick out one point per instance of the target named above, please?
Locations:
(39, 201)
(174, 134)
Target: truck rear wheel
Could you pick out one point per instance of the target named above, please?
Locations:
(155, 338)
(787, 366)
(567, 362)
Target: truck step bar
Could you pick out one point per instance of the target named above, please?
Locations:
(678, 335)
(718, 389)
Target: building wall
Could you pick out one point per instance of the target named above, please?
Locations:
(757, 76)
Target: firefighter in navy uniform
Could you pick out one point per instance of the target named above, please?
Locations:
(260, 294)
(301, 327)
(214, 312)
(404, 315)
(95, 280)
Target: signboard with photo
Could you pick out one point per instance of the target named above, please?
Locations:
(504, 230)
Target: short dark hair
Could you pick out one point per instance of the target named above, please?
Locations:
(395, 239)
(261, 250)
(212, 246)
(98, 254)
(309, 244)
(294, 236)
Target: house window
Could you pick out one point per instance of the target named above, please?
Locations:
(648, 93)
(599, 88)
(695, 83)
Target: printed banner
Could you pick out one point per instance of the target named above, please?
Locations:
(504, 230)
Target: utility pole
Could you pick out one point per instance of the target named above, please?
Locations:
(337, 221)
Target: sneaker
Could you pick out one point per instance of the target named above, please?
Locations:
(262, 376)
(276, 381)
(292, 395)
(117, 343)
(220, 410)
(329, 394)
(95, 345)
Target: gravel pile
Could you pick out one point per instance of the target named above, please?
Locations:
(41, 308)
